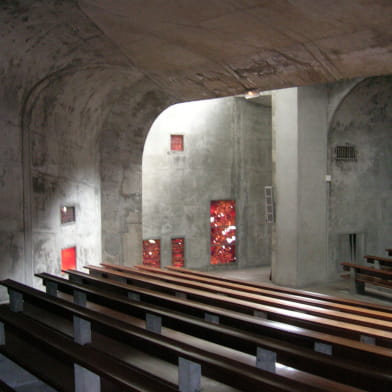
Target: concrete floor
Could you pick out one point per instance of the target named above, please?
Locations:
(338, 288)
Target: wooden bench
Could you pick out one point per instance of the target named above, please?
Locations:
(57, 360)
(287, 353)
(378, 261)
(364, 274)
(340, 328)
(190, 274)
(366, 353)
(296, 299)
(281, 303)
(221, 368)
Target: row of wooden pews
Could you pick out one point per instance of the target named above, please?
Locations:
(145, 329)
(377, 272)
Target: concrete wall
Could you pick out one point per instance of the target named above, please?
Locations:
(361, 191)
(227, 156)
(61, 83)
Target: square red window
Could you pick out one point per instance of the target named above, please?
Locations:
(152, 253)
(177, 142)
(68, 258)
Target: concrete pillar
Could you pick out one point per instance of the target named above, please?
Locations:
(301, 127)
(266, 360)
(189, 376)
(16, 301)
(85, 380)
(82, 330)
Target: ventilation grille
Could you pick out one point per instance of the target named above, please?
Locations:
(345, 153)
(269, 204)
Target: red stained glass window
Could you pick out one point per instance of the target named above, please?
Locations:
(152, 253)
(68, 258)
(223, 231)
(178, 252)
(177, 142)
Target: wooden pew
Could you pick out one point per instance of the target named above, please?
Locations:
(340, 347)
(189, 274)
(301, 358)
(364, 274)
(52, 356)
(385, 323)
(340, 328)
(222, 368)
(359, 310)
(378, 261)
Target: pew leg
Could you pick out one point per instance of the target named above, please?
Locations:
(85, 380)
(359, 287)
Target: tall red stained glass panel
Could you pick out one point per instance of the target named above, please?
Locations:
(68, 258)
(152, 253)
(223, 231)
(178, 252)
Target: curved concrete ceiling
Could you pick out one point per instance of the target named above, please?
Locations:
(199, 49)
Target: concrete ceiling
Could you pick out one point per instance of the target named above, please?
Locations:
(207, 48)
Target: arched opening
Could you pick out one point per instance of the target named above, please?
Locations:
(226, 155)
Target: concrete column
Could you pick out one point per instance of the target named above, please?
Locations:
(189, 375)
(300, 125)
(85, 380)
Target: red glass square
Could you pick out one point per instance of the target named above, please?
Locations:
(152, 253)
(177, 142)
(178, 252)
(68, 258)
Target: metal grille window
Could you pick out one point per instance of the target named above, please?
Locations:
(345, 153)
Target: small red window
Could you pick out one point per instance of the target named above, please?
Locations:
(68, 258)
(178, 252)
(152, 253)
(177, 142)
